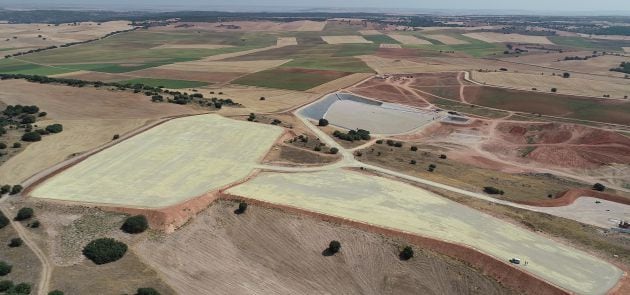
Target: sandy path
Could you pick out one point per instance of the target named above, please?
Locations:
(46, 265)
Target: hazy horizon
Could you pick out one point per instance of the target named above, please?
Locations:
(540, 6)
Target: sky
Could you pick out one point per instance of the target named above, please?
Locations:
(358, 5)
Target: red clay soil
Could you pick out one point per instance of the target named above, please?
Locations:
(568, 197)
(436, 79)
(502, 272)
(380, 90)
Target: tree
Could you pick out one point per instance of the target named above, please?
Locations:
(55, 292)
(5, 189)
(104, 250)
(135, 224)
(334, 246)
(20, 289)
(147, 291)
(31, 137)
(17, 145)
(5, 268)
(334, 150)
(566, 75)
(16, 189)
(554, 90)
(406, 253)
(116, 136)
(492, 190)
(54, 128)
(414, 148)
(412, 162)
(5, 285)
(442, 156)
(599, 187)
(28, 119)
(4, 221)
(3, 145)
(15, 242)
(323, 122)
(242, 207)
(24, 213)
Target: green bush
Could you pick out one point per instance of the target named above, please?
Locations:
(414, 148)
(31, 136)
(3, 145)
(334, 150)
(5, 189)
(15, 242)
(28, 119)
(5, 268)
(16, 189)
(4, 221)
(147, 291)
(599, 187)
(492, 190)
(135, 224)
(406, 253)
(323, 122)
(54, 128)
(242, 207)
(24, 213)
(56, 292)
(17, 145)
(104, 250)
(20, 289)
(5, 285)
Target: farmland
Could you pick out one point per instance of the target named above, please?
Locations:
(142, 155)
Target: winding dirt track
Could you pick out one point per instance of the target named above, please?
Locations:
(46, 271)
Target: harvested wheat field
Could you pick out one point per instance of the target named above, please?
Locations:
(505, 38)
(64, 103)
(446, 39)
(395, 205)
(164, 165)
(616, 88)
(220, 252)
(225, 66)
(250, 97)
(286, 41)
(409, 39)
(78, 136)
(370, 32)
(400, 66)
(345, 40)
(384, 45)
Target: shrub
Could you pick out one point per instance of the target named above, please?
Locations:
(334, 150)
(28, 119)
(599, 187)
(17, 145)
(34, 224)
(20, 289)
(412, 162)
(31, 137)
(242, 207)
(566, 75)
(116, 136)
(24, 213)
(414, 148)
(42, 114)
(262, 98)
(16, 189)
(54, 128)
(380, 141)
(3, 145)
(15, 242)
(135, 224)
(5, 268)
(442, 156)
(406, 253)
(4, 221)
(334, 247)
(317, 148)
(492, 190)
(56, 292)
(5, 189)
(147, 291)
(5, 285)
(323, 122)
(554, 89)
(104, 250)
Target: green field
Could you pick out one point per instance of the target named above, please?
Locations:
(600, 110)
(12, 66)
(583, 43)
(380, 39)
(474, 48)
(174, 84)
(289, 78)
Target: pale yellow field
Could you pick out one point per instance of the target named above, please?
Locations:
(166, 165)
(516, 38)
(573, 85)
(446, 39)
(370, 32)
(78, 136)
(340, 83)
(28, 34)
(191, 46)
(275, 99)
(383, 45)
(387, 65)
(286, 41)
(345, 39)
(396, 205)
(225, 66)
(408, 39)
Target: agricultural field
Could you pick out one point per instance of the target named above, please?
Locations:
(231, 158)
(503, 38)
(391, 204)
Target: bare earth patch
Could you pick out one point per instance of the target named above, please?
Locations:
(370, 32)
(286, 41)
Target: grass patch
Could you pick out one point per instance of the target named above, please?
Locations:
(174, 84)
(290, 78)
(380, 39)
(12, 66)
(474, 48)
